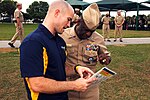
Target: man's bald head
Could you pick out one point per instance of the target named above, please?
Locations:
(61, 5)
(59, 16)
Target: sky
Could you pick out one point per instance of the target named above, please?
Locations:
(26, 3)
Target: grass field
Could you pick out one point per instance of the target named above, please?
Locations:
(8, 30)
(11, 84)
(132, 82)
(133, 79)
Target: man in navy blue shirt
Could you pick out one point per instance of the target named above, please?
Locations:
(43, 56)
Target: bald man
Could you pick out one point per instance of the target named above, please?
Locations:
(119, 20)
(42, 57)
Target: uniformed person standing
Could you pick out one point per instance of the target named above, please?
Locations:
(84, 48)
(18, 24)
(106, 27)
(119, 20)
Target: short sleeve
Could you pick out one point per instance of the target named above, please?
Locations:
(102, 19)
(16, 14)
(31, 59)
(115, 18)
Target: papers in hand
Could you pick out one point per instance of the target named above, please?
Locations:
(102, 75)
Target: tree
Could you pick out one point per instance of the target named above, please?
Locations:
(26, 17)
(7, 7)
(38, 10)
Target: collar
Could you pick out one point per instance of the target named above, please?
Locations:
(46, 31)
(119, 16)
(18, 9)
(72, 33)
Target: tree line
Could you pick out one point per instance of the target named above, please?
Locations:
(37, 10)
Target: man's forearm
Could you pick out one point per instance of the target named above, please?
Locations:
(45, 85)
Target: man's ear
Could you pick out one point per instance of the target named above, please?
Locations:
(57, 11)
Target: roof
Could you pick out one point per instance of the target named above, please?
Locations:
(78, 4)
(121, 4)
(148, 1)
(113, 2)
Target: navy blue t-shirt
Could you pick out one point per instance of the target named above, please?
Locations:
(42, 54)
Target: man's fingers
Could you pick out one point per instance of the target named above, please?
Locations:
(81, 75)
(90, 80)
(89, 75)
(90, 71)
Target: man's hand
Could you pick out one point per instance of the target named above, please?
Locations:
(84, 72)
(119, 26)
(104, 58)
(82, 84)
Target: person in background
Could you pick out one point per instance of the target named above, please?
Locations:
(106, 28)
(42, 57)
(85, 47)
(18, 16)
(119, 20)
(76, 16)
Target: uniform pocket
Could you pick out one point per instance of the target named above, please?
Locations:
(89, 56)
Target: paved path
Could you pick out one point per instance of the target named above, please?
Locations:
(130, 41)
(4, 44)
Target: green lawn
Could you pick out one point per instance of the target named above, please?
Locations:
(131, 62)
(130, 33)
(11, 84)
(7, 31)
